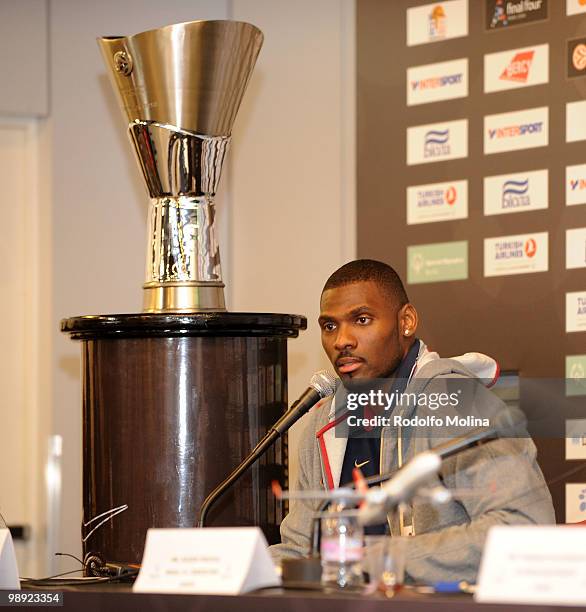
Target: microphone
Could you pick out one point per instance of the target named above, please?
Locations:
(322, 384)
(403, 486)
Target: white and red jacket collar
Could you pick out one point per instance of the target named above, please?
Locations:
(332, 448)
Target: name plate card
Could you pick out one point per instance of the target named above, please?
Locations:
(217, 561)
(533, 564)
(8, 568)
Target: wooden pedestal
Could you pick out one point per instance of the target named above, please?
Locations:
(171, 404)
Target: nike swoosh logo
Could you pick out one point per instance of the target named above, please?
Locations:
(359, 465)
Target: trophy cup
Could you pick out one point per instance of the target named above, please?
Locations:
(175, 397)
(180, 88)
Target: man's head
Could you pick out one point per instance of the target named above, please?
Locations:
(367, 323)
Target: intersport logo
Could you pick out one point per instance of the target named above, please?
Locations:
(436, 82)
(518, 69)
(575, 185)
(512, 131)
(523, 129)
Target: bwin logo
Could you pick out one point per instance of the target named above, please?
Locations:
(437, 143)
(514, 194)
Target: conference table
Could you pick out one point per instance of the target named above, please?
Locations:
(118, 597)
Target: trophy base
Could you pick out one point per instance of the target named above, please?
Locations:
(171, 404)
(184, 297)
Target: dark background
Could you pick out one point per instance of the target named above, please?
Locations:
(519, 319)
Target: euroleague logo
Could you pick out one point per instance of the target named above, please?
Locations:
(576, 54)
(530, 247)
(579, 57)
(451, 195)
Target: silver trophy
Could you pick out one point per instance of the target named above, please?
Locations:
(180, 88)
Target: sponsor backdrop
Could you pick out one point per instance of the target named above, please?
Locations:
(472, 183)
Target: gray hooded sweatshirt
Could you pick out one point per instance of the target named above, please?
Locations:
(503, 481)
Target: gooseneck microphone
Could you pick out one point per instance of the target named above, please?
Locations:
(322, 384)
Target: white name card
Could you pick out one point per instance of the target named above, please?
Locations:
(8, 568)
(533, 564)
(218, 561)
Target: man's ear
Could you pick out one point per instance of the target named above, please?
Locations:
(408, 320)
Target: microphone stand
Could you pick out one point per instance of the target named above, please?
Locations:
(267, 441)
(308, 399)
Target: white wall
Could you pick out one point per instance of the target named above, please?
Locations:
(286, 200)
(23, 339)
(99, 202)
(24, 61)
(292, 178)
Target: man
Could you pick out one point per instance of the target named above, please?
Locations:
(368, 330)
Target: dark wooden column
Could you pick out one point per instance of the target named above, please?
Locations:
(171, 404)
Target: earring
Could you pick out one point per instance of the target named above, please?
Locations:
(406, 332)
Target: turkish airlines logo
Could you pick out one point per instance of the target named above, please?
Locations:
(530, 247)
(518, 68)
(437, 202)
(522, 254)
